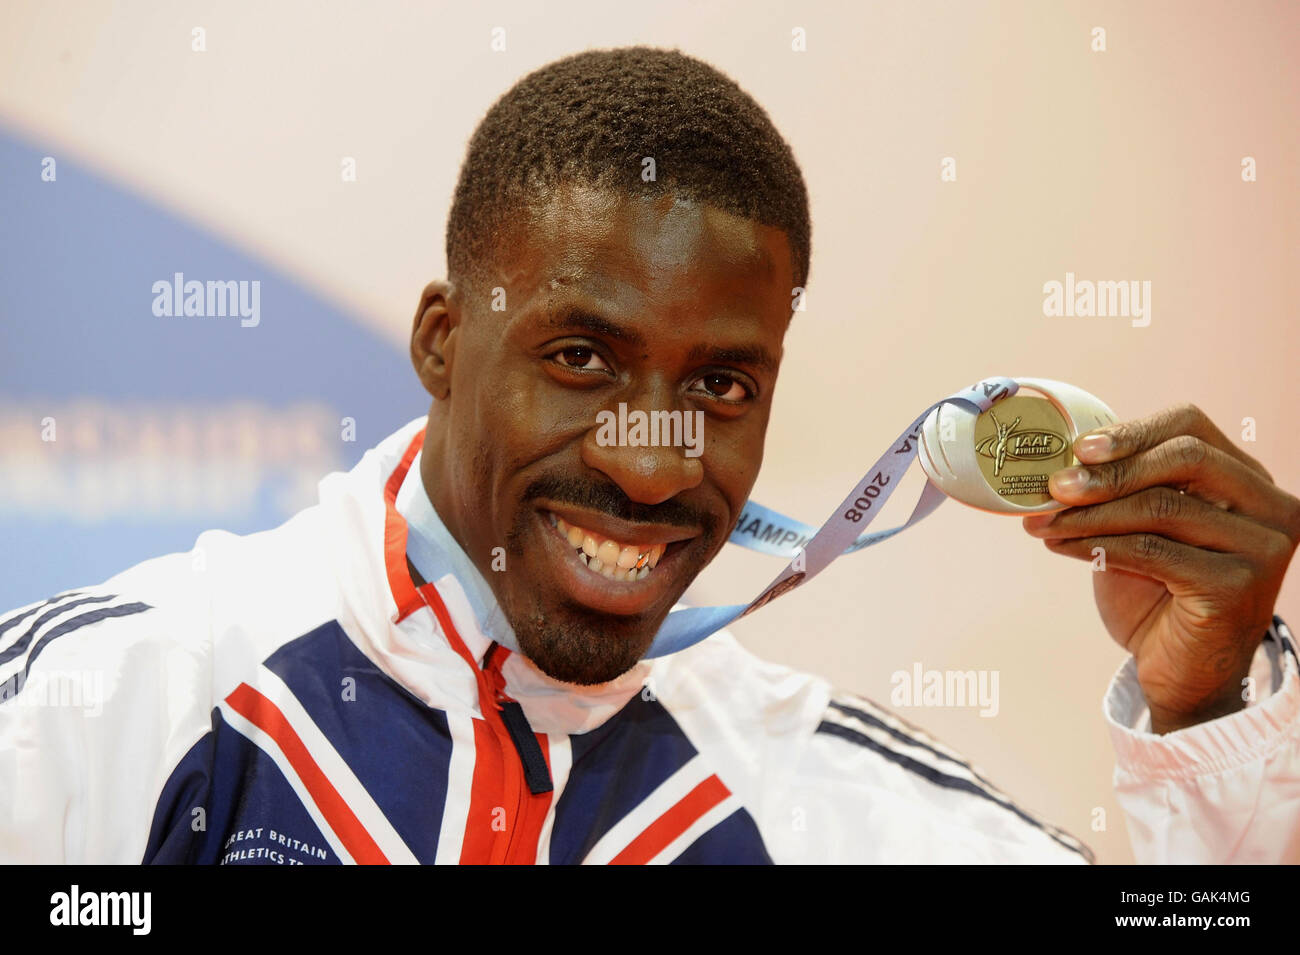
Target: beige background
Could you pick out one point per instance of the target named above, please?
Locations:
(1116, 165)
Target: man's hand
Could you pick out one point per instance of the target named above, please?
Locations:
(1197, 539)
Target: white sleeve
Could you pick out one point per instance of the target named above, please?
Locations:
(869, 787)
(1224, 791)
(99, 696)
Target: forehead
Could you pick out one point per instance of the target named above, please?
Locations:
(662, 248)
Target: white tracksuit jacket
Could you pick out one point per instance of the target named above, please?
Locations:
(290, 697)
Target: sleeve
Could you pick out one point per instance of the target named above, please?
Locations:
(101, 691)
(870, 787)
(1224, 791)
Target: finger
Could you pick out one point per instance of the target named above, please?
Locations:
(1163, 511)
(1188, 464)
(1183, 569)
(1131, 437)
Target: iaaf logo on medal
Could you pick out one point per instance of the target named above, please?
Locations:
(1031, 444)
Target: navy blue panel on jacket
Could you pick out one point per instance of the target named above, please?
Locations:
(398, 748)
(250, 815)
(616, 766)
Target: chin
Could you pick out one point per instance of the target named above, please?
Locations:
(579, 649)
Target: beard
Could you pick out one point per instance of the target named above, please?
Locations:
(565, 640)
(572, 645)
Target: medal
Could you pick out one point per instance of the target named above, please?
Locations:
(1000, 459)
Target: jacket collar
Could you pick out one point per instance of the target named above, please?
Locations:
(433, 643)
(435, 554)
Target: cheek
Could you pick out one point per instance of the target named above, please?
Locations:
(734, 459)
(533, 417)
(480, 470)
(514, 423)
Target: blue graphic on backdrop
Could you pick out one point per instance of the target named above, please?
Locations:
(156, 382)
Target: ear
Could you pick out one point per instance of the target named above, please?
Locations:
(433, 339)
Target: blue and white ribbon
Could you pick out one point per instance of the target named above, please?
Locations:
(812, 551)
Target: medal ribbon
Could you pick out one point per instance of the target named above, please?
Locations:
(843, 532)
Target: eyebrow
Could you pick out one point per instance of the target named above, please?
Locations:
(572, 317)
(756, 356)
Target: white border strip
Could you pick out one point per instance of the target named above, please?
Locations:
(669, 793)
(460, 784)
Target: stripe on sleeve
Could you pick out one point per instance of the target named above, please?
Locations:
(899, 730)
(22, 615)
(959, 783)
(17, 648)
(14, 685)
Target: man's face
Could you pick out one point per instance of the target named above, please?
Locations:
(661, 305)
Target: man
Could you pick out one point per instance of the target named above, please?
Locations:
(445, 660)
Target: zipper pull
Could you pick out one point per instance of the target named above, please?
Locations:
(536, 773)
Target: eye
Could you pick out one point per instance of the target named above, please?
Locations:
(579, 358)
(725, 388)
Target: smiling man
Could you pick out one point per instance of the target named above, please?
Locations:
(614, 296)
(449, 658)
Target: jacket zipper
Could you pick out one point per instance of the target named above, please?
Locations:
(529, 764)
(521, 756)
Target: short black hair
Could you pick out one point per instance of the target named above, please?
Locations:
(593, 117)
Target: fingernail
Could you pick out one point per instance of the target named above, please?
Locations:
(1091, 444)
(1071, 479)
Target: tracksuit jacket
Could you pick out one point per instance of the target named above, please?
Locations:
(291, 697)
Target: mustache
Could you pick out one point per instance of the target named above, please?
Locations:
(609, 499)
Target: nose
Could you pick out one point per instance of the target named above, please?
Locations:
(646, 473)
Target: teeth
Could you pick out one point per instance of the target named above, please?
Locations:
(612, 559)
(609, 552)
